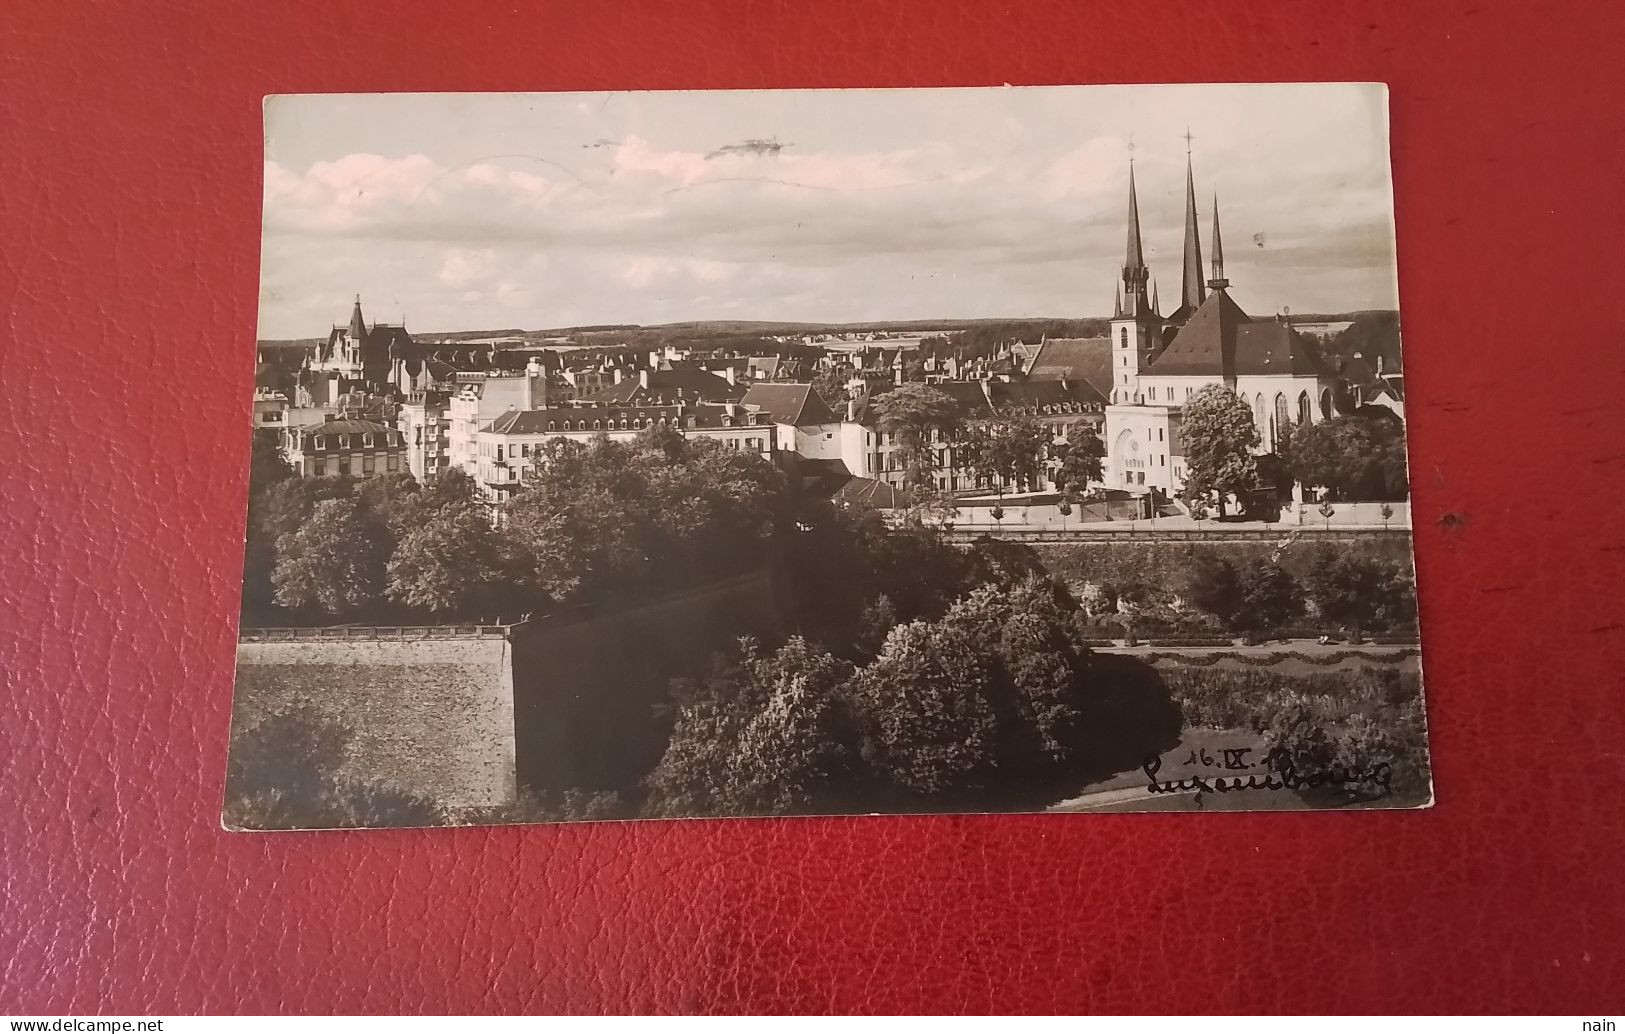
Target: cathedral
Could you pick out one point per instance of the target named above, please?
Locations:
(1160, 361)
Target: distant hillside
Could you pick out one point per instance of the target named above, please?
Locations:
(1375, 332)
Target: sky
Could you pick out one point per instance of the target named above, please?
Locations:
(531, 211)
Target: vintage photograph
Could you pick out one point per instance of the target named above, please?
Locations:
(768, 453)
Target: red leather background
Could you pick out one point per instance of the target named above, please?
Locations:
(129, 208)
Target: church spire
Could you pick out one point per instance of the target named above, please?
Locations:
(1193, 293)
(1156, 305)
(1133, 256)
(1134, 272)
(1218, 281)
(1117, 301)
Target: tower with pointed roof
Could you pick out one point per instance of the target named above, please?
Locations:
(1217, 282)
(1136, 329)
(1193, 285)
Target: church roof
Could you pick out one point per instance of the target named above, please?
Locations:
(1221, 340)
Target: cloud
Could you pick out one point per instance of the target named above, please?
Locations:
(633, 222)
(464, 266)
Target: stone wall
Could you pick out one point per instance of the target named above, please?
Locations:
(467, 716)
(433, 717)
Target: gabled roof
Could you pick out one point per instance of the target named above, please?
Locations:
(1221, 340)
(1205, 345)
(1084, 359)
(793, 404)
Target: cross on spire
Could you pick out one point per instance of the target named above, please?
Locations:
(1188, 139)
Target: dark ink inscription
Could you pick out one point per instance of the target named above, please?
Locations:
(1280, 774)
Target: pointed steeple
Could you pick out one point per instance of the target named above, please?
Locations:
(1156, 304)
(1134, 272)
(1193, 293)
(358, 326)
(1134, 256)
(1117, 301)
(1218, 281)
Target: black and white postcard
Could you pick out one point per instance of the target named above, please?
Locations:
(765, 453)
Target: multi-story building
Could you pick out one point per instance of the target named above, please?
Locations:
(505, 448)
(423, 422)
(346, 447)
(480, 399)
(270, 410)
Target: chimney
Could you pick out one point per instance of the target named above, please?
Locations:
(643, 379)
(618, 375)
(1379, 365)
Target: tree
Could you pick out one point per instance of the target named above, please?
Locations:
(764, 734)
(1353, 457)
(279, 507)
(452, 565)
(335, 562)
(910, 413)
(1270, 598)
(1355, 590)
(1212, 585)
(600, 518)
(1038, 669)
(1006, 449)
(267, 465)
(1218, 433)
(929, 727)
(1082, 463)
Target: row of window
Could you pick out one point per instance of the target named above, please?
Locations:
(369, 440)
(344, 466)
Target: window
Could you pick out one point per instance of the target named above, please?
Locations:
(1164, 460)
(1159, 434)
(366, 440)
(367, 464)
(344, 441)
(393, 463)
(344, 465)
(1122, 337)
(319, 443)
(499, 453)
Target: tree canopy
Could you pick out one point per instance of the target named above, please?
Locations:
(1355, 457)
(1218, 433)
(1082, 462)
(910, 412)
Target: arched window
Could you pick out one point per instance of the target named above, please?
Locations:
(1304, 409)
(1326, 404)
(550, 425)
(1122, 337)
(597, 425)
(1258, 415)
(1281, 416)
